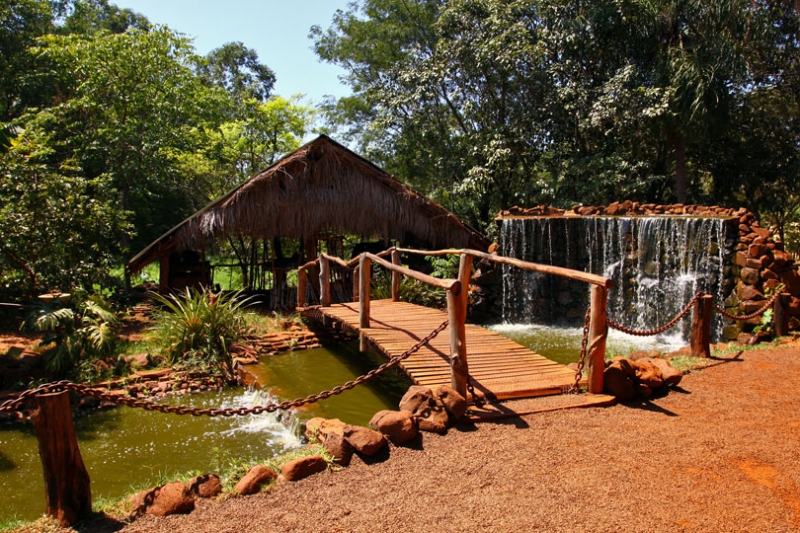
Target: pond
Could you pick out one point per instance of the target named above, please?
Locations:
(127, 449)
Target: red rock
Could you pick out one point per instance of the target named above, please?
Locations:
(768, 274)
(364, 440)
(455, 404)
(648, 374)
(317, 428)
(671, 375)
(205, 486)
(338, 448)
(749, 292)
(172, 498)
(303, 467)
(254, 480)
(398, 426)
(618, 383)
(429, 412)
(750, 276)
(757, 250)
(791, 279)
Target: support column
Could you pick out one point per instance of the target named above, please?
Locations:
(700, 335)
(396, 277)
(457, 314)
(365, 265)
(598, 333)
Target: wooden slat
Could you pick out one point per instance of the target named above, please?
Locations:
(500, 367)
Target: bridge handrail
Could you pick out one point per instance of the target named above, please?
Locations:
(447, 284)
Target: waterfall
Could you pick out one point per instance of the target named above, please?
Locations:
(657, 264)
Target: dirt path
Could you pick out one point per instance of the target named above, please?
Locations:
(722, 454)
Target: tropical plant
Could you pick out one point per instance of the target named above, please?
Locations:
(77, 334)
(201, 326)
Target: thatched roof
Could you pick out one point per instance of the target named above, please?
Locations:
(320, 188)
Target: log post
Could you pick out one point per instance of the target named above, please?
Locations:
(356, 281)
(700, 335)
(324, 281)
(457, 314)
(396, 276)
(598, 332)
(364, 264)
(302, 282)
(464, 273)
(66, 481)
(780, 315)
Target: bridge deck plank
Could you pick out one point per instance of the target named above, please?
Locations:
(500, 367)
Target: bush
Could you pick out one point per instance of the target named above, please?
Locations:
(200, 326)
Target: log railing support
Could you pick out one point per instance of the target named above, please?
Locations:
(302, 283)
(365, 265)
(598, 333)
(700, 334)
(780, 315)
(66, 481)
(356, 282)
(396, 276)
(457, 314)
(464, 273)
(324, 281)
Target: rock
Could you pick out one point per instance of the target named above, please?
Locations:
(671, 375)
(643, 390)
(453, 402)
(637, 355)
(317, 428)
(618, 382)
(172, 498)
(398, 426)
(364, 440)
(429, 412)
(254, 480)
(205, 486)
(748, 292)
(139, 360)
(339, 448)
(140, 501)
(744, 338)
(761, 336)
(648, 374)
(303, 467)
(750, 276)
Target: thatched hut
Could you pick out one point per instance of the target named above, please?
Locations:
(321, 189)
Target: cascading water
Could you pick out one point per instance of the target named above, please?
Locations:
(657, 264)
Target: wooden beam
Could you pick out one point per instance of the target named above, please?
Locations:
(447, 284)
(780, 315)
(365, 267)
(302, 283)
(459, 368)
(66, 481)
(598, 333)
(396, 276)
(324, 281)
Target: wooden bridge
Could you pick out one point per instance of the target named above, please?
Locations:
(495, 366)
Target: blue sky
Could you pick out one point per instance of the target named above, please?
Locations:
(276, 29)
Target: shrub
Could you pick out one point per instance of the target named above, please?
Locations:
(201, 326)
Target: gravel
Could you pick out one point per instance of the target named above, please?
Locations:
(721, 453)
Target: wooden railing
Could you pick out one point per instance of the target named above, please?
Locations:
(457, 296)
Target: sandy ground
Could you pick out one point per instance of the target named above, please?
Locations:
(719, 454)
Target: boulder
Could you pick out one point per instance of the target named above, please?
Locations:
(172, 498)
(205, 486)
(647, 373)
(750, 276)
(429, 412)
(398, 426)
(671, 375)
(254, 480)
(338, 448)
(618, 382)
(453, 402)
(364, 440)
(317, 428)
(303, 467)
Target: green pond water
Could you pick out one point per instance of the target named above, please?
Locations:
(127, 449)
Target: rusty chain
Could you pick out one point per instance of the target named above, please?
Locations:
(662, 329)
(582, 359)
(761, 311)
(85, 390)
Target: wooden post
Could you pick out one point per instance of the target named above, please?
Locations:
(356, 282)
(66, 481)
(598, 332)
(365, 264)
(324, 281)
(457, 314)
(780, 315)
(163, 274)
(396, 277)
(700, 335)
(464, 273)
(302, 282)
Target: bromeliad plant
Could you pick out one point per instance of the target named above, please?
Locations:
(201, 326)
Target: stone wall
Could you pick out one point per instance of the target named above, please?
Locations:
(757, 267)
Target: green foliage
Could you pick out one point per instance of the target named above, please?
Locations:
(79, 334)
(411, 290)
(199, 327)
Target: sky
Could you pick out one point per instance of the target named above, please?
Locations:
(276, 29)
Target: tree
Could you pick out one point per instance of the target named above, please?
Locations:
(236, 68)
